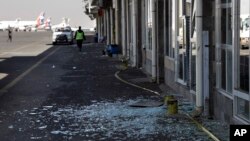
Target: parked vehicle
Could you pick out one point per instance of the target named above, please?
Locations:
(62, 35)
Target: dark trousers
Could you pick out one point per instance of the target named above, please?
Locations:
(10, 38)
(79, 44)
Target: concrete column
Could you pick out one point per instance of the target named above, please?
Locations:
(124, 32)
(128, 28)
(112, 26)
(154, 31)
(105, 24)
(160, 40)
(117, 21)
(98, 26)
(108, 27)
(199, 57)
(139, 33)
(101, 34)
(134, 24)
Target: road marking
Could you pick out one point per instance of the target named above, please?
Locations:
(20, 77)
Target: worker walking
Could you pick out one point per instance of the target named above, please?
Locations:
(79, 36)
(9, 35)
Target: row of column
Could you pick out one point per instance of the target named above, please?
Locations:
(120, 26)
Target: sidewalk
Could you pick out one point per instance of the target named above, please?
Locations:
(76, 96)
(177, 122)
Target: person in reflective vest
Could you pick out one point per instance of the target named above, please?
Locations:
(79, 36)
(9, 35)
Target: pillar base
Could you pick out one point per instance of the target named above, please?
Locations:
(197, 112)
(153, 79)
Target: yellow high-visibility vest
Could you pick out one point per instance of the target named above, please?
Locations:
(79, 35)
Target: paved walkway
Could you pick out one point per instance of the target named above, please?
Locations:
(73, 95)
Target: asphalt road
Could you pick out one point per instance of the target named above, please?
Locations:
(54, 93)
(38, 79)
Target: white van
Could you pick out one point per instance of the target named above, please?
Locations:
(62, 35)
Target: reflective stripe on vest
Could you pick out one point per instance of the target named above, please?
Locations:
(79, 35)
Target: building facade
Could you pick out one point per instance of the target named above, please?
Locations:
(199, 48)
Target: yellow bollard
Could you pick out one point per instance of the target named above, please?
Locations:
(167, 98)
(172, 106)
(126, 63)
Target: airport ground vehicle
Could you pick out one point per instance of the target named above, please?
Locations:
(62, 35)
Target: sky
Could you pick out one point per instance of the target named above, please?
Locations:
(56, 9)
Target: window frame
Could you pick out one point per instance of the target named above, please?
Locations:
(148, 16)
(220, 46)
(237, 93)
(177, 16)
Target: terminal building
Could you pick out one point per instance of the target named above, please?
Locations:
(199, 48)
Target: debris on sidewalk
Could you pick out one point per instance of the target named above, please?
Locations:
(146, 103)
(11, 127)
(112, 120)
(136, 76)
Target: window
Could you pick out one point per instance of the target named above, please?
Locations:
(193, 50)
(244, 46)
(224, 45)
(183, 40)
(193, 68)
(149, 24)
(226, 1)
(173, 28)
(242, 64)
(243, 108)
(168, 16)
(181, 49)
